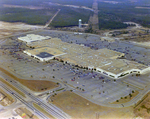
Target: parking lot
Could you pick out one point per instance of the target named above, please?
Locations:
(90, 84)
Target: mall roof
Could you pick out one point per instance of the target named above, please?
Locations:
(32, 37)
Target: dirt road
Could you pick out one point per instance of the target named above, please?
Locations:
(48, 23)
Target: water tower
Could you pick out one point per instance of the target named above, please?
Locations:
(80, 23)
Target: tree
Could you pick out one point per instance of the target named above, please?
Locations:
(133, 91)
(137, 74)
(130, 95)
(61, 60)
(113, 35)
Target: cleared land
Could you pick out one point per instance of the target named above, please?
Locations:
(78, 108)
(38, 86)
(34, 85)
(143, 109)
(43, 111)
(7, 28)
(8, 98)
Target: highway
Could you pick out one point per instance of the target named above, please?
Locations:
(24, 102)
(51, 109)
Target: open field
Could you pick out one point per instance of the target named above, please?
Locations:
(143, 109)
(43, 111)
(7, 28)
(33, 85)
(78, 108)
(38, 85)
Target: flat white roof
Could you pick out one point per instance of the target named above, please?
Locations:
(32, 37)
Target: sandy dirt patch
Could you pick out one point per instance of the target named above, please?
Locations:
(143, 109)
(80, 108)
(7, 28)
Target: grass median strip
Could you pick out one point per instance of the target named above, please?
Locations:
(60, 89)
(43, 111)
(14, 88)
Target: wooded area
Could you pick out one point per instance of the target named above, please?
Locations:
(33, 17)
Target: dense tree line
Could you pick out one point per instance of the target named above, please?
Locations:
(111, 25)
(70, 17)
(34, 17)
(121, 13)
